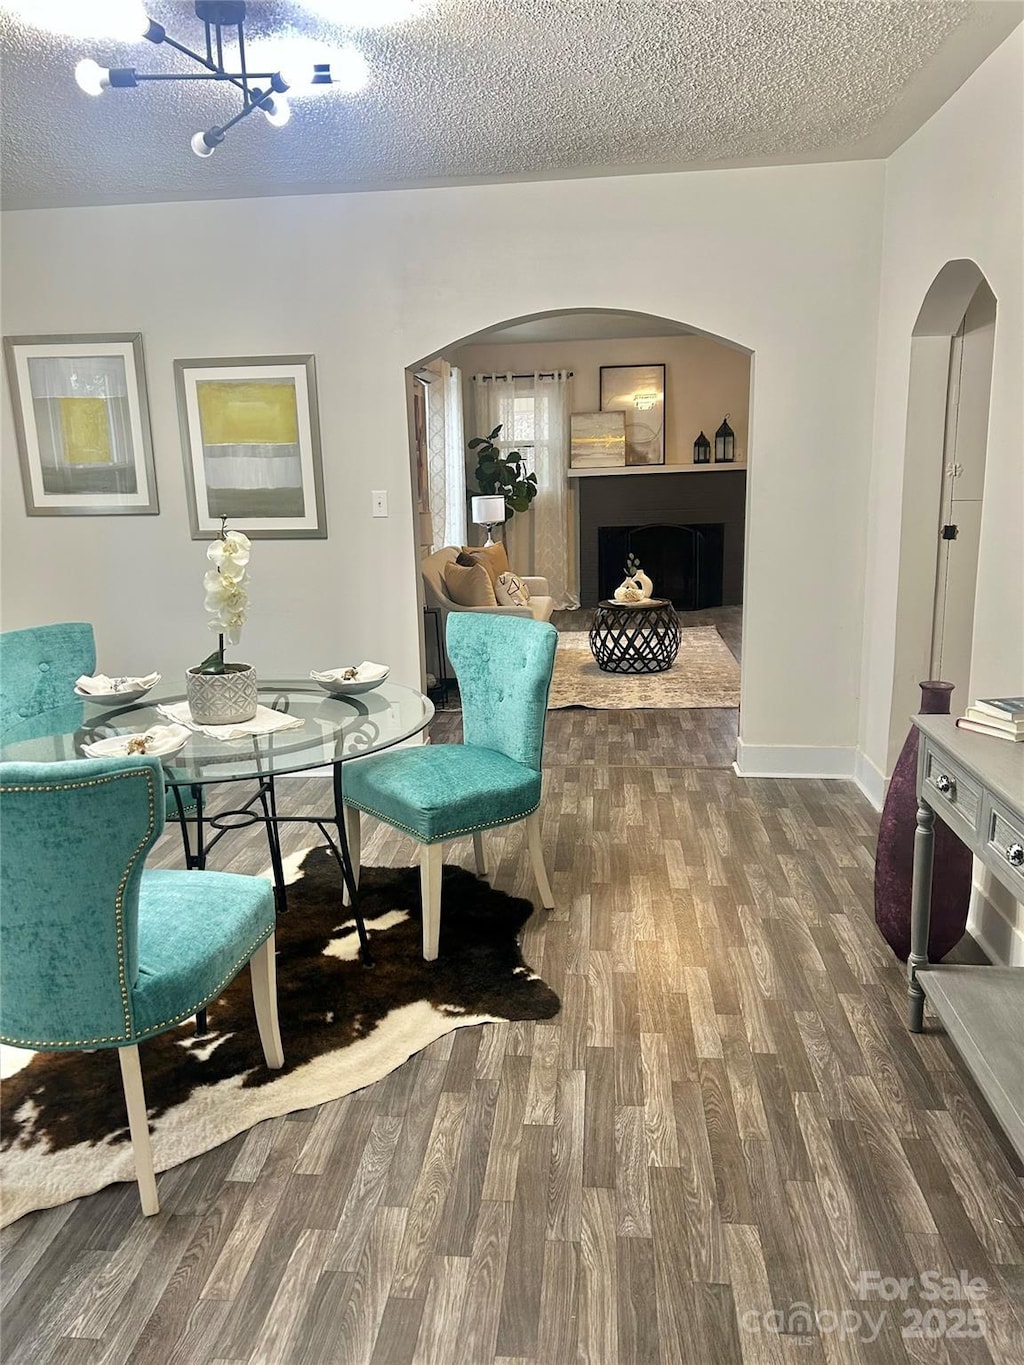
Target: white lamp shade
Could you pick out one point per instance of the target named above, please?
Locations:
(488, 511)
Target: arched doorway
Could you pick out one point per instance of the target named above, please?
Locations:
(715, 381)
(943, 487)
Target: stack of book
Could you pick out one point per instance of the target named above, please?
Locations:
(1001, 717)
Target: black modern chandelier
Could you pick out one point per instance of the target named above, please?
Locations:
(265, 91)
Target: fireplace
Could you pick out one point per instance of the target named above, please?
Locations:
(685, 527)
(685, 562)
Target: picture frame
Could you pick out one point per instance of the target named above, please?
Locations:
(250, 436)
(81, 420)
(638, 391)
(597, 440)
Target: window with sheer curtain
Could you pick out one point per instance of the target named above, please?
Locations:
(533, 411)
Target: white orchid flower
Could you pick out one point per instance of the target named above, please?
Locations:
(230, 555)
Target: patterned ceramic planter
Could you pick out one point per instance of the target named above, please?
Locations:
(222, 698)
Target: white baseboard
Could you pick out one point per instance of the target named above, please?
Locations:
(808, 760)
(996, 922)
(793, 760)
(869, 779)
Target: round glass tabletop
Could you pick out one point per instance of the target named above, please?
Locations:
(333, 728)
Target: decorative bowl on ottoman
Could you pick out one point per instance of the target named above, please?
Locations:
(222, 698)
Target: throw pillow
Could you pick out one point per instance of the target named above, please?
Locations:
(469, 585)
(492, 557)
(511, 591)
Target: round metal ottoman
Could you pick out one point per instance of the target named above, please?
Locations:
(625, 638)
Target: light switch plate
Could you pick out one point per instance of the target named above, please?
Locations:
(380, 502)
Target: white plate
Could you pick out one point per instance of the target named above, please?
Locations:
(164, 740)
(126, 694)
(353, 688)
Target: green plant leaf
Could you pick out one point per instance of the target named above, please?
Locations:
(213, 663)
(477, 441)
(495, 432)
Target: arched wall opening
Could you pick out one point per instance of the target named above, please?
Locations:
(597, 326)
(943, 487)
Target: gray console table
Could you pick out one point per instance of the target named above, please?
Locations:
(975, 785)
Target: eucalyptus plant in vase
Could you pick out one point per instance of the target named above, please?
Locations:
(221, 693)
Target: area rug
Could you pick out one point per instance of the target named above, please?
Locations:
(343, 1026)
(705, 673)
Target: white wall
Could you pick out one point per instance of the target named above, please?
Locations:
(704, 379)
(953, 191)
(784, 261)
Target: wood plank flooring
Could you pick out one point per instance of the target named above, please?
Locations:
(726, 1131)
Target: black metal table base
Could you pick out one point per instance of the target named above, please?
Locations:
(631, 639)
(197, 851)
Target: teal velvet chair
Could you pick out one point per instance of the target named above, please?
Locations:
(95, 952)
(440, 792)
(39, 668)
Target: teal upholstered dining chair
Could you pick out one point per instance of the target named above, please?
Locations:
(440, 792)
(39, 667)
(95, 952)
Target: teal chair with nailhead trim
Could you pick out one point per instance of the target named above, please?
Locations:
(96, 952)
(440, 792)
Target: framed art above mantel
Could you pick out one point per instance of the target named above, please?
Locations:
(638, 392)
(81, 417)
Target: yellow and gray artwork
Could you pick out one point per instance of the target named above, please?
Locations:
(251, 455)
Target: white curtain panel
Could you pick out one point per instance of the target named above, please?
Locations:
(446, 455)
(534, 416)
(454, 459)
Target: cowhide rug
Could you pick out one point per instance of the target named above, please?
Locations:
(63, 1127)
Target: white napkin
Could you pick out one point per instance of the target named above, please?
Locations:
(265, 722)
(99, 685)
(366, 672)
(160, 739)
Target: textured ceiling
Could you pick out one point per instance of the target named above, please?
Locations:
(497, 89)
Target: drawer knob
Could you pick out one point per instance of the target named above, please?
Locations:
(1015, 855)
(945, 784)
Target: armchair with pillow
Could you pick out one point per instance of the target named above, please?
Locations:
(478, 578)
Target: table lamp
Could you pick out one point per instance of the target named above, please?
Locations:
(489, 512)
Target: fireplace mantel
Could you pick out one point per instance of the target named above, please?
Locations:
(616, 471)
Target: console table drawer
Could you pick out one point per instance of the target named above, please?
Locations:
(949, 788)
(1004, 844)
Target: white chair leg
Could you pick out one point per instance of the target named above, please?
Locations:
(537, 858)
(353, 833)
(478, 854)
(138, 1124)
(431, 861)
(263, 975)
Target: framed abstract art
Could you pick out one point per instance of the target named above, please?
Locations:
(251, 445)
(637, 391)
(81, 416)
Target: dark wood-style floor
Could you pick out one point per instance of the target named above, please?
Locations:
(727, 1127)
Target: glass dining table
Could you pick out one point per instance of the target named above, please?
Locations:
(335, 728)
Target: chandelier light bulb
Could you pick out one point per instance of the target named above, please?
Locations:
(201, 146)
(123, 20)
(276, 110)
(91, 77)
(349, 70)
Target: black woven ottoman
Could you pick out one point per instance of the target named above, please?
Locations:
(635, 639)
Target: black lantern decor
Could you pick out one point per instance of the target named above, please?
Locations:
(702, 450)
(725, 443)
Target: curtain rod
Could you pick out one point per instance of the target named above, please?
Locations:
(534, 374)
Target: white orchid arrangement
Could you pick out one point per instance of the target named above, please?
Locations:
(227, 598)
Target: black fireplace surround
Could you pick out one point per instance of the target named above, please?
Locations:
(685, 562)
(685, 529)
